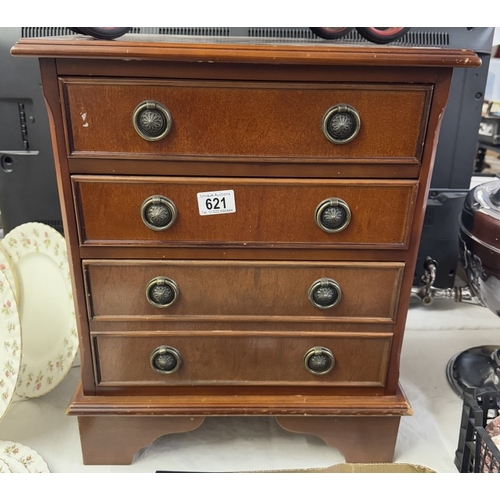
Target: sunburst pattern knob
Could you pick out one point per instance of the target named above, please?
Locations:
(165, 359)
(158, 213)
(152, 120)
(162, 292)
(325, 293)
(341, 124)
(332, 215)
(319, 360)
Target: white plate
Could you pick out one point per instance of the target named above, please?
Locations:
(14, 465)
(10, 344)
(8, 269)
(4, 468)
(47, 312)
(27, 457)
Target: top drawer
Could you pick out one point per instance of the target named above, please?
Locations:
(242, 120)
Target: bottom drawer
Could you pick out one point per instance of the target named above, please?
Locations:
(349, 359)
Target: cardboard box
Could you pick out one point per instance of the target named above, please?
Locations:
(362, 468)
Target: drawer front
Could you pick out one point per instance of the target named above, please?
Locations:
(267, 212)
(244, 120)
(233, 359)
(242, 291)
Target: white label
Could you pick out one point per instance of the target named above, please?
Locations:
(215, 203)
(486, 129)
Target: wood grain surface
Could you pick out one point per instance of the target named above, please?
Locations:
(237, 119)
(250, 359)
(271, 213)
(242, 291)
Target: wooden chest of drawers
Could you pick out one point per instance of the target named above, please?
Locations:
(243, 222)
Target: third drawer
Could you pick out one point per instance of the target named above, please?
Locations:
(238, 291)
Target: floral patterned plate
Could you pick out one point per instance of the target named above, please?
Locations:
(8, 269)
(47, 312)
(14, 465)
(27, 457)
(10, 344)
(4, 468)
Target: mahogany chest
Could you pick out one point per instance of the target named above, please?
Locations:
(243, 220)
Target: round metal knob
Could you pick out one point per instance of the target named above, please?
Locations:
(158, 213)
(332, 215)
(165, 359)
(152, 120)
(319, 360)
(162, 292)
(324, 293)
(341, 124)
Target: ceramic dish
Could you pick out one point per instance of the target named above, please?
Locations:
(10, 344)
(4, 468)
(47, 312)
(14, 465)
(27, 457)
(8, 269)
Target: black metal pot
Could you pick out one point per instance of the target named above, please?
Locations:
(479, 233)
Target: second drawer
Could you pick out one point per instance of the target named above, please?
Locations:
(242, 290)
(134, 211)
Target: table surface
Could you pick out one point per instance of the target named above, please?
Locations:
(226, 444)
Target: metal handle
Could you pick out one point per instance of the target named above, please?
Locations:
(332, 215)
(319, 360)
(158, 213)
(324, 293)
(165, 359)
(20, 152)
(152, 121)
(162, 292)
(341, 124)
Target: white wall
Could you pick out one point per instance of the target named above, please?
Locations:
(492, 91)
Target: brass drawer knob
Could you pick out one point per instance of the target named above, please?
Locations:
(162, 292)
(165, 360)
(151, 120)
(341, 124)
(325, 293)
(332, 215)
(319, 360)
(158, 213)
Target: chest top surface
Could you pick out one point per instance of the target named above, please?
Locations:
(234, 49)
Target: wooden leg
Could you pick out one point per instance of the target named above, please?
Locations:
(114, 440)
(359, 439)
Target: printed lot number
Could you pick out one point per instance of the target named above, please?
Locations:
(216, 203)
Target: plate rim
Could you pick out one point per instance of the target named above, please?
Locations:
(7, 262)
(37, 462)
(14, 459)
(12, 352)
(8, 470)
(38, 237)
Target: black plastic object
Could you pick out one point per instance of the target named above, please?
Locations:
(476, 452)
(382, 35)
(440, 236)
(102, 33)
(331, 33)
(375, 35)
